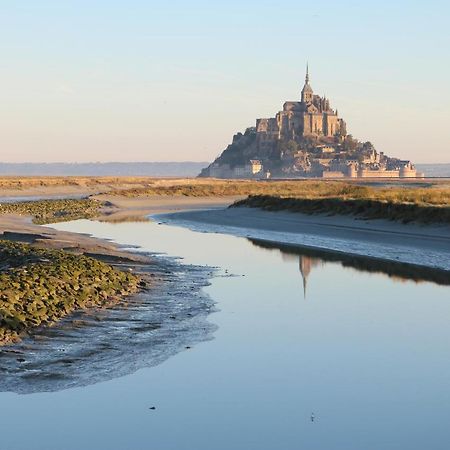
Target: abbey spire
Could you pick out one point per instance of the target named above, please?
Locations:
(307, 92)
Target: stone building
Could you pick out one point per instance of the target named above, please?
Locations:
(253, 168)
(306, 139)
(311, 116)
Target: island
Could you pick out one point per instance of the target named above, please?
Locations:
(306, 139)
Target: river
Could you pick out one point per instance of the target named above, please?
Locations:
(291, 351)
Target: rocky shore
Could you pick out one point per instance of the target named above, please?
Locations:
(45, 275)
(40, 286)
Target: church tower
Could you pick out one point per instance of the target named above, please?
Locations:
(307, 92)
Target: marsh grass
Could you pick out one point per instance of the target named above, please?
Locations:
(419, 193)
(51, 211)
(404, 212)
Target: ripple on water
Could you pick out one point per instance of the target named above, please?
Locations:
(98, 345)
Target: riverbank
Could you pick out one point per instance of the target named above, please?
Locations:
(418, 245)
(400, 211)
(48, 274)
(121, 209)
(39, 287)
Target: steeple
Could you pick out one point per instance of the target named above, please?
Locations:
(307, 92)
(304, 265)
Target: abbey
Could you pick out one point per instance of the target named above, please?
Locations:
(306, 139)
(312, 116)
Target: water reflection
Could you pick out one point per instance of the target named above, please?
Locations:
(366, 356)
(398, 272)
(305, 264)
(101, 344)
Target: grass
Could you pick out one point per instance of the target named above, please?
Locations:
(427, 193)
(363, 207)
(20, 183)
(418, 201)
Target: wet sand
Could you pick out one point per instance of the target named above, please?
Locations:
(426, 245)
(21, 229)
(118, 209)
(124, 208)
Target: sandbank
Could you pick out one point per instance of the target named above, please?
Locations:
(421, 245)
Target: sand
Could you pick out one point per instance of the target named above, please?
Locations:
(21, 229)
(123, 208)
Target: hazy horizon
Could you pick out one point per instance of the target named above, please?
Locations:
(109, 82)
(144, 169)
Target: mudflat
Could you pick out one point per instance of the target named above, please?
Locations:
(427, 245)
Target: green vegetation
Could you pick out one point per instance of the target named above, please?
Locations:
(40, 286)
(363, 207)
(51, 211)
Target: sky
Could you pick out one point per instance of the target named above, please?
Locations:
(173, 81)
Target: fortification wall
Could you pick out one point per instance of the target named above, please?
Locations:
(364, 173)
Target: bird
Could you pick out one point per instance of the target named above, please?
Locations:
(312, 417)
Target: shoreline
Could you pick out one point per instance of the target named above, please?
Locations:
(426, 246)
(20, 229)
(415, 244)
(424, 249)
(63, 273)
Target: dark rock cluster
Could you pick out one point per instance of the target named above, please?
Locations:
(40, 286)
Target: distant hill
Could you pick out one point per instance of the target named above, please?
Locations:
(151, 169)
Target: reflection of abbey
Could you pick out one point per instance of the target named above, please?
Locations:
(306, 139)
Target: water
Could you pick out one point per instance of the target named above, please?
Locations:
(434, 170)
(98, 345)
(365, 353)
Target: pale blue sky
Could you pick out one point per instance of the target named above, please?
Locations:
(146, 81)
